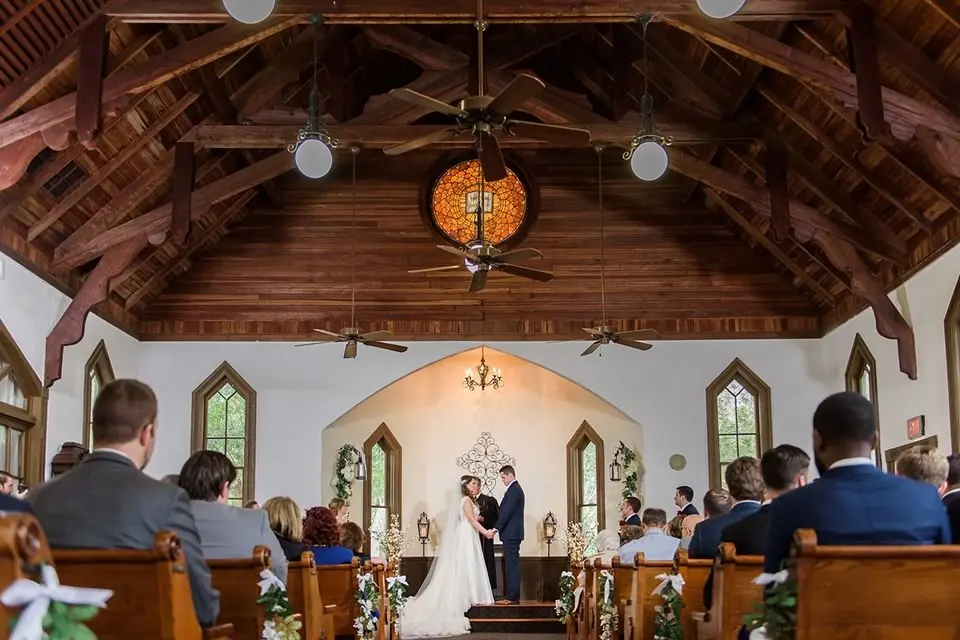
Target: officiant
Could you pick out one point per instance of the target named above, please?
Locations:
(489, 513)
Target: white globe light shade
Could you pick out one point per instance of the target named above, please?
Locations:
(720, 8)
(249, 11)
(314, 159)
(649, 161)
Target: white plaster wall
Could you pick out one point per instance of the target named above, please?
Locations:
(29, 308)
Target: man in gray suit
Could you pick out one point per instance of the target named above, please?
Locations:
(226, 531)
(107, 502)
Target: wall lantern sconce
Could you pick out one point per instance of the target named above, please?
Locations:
(549, 529)
(616, 470)
(423, 531)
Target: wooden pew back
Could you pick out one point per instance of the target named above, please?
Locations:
(885, 593)
(23, 548)
(304, 593)
(695, 572)
(151, 596)
(338, 586)
(734, 594)
(237, 581)
(637, 621)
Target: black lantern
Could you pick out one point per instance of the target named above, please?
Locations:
(615, 468)
(423, 530)
(359, 469)
(549, 529)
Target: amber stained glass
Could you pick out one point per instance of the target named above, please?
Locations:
(456, 195)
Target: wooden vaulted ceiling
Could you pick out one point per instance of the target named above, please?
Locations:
(862, 167)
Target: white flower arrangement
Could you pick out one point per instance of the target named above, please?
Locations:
(368, 597)
(565, 606)
(609, 621)
(574, 542)
(393, 541)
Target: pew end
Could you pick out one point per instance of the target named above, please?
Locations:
(23, 549)
(695, 572)
(237, 581)
(734, 594)
(338, 585)
(305, 598)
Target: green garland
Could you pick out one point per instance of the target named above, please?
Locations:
(343, 486)
(777, 614)
(66, 622)
(629, 457)
(609, 617)
(567, 601)
(368, 597)
(666, 624)
(281, 622)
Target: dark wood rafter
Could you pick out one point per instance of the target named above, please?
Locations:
(93, 65)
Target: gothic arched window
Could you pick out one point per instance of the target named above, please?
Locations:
(23, 402)
(97, 374)
(861, 377)
(381, 491)
(585, 481)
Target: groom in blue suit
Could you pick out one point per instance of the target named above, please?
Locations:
(510, 528)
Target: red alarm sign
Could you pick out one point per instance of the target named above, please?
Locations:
(915, 427)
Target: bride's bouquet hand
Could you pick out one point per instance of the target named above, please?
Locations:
(490, 533)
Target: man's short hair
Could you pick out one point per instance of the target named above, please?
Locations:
(634, 503)
(655, 517)
(717, 502)
(925, 464)
(846, 418)
(204, 473)
(686, 492)
(630, 532)
(744, 481)
(508, 469)
(121, 411)
(953, 476)
(782, 465)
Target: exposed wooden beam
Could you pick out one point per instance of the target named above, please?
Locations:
(415, 46)
(776, 174)
(183, 177)
(947, 10)
(865, 64)
(465, 11)
(93, 65)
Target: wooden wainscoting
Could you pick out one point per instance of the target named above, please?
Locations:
(538, 581)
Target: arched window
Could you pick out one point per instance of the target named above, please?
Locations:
(225, 420)
(23, 402)
(951, 334)
(585, 486)
(98, 373)
(381, 491)
(738, 419)
(861, 376)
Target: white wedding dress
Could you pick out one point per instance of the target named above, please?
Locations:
(457, 580)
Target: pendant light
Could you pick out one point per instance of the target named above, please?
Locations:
(648, 155)
(249, 11)
(720, 8)
(312, 151)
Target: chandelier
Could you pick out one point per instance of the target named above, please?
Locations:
(488, 377)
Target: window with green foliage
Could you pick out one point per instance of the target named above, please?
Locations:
(738, 414)
(224, 410)
(585, 487)
(22, 414)
(381, 491)
(99, 372)
(861, 377)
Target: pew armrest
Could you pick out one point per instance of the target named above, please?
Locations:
(218, 632)
(700, 616)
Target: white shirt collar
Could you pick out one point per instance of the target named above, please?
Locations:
(765, 503)
(115, 452)
(851, 462)
(511, 484)
(746, 502)
(949, 492)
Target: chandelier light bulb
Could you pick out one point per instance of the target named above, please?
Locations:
(249, 11)
(720, 8)
(313, 158)
(649, 161)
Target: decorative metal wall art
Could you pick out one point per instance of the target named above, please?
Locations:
(484, 460)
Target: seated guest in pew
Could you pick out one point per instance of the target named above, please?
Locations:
(951, 497)
(322, 533)
(351, 536)
(107, 502)
(687, 526)
(171, 478)
(226, 532)
(287, 524)
(853, 502)
(655, 543)
(716, 502)
(745, 485)
(606, 545)
(340, 508)
(10, 500)
(784, 468)
(925, 464)
(630, 512)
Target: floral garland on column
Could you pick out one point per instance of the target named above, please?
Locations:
(629, 457)
(609, 620)
(666, 623)
(776, 617)
(343, 486)
(565, 605)
(281, 623)
(368, 597)
(394, 541)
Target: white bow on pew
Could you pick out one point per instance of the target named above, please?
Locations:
(675, 581)
(764, 579)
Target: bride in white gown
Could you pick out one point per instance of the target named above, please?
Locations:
(458, 577)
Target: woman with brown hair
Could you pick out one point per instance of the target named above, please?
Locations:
(341, 509)
(287, 524)
(322, 533)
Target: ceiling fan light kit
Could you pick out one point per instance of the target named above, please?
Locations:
(720, 8)
(313, 150)
(249, 11)
(649, 160)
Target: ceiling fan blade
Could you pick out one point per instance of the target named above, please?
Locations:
(431, 269)
(550, 133)
(350, 351)
(478, 281)
(594, 331)
(425, 101)
(309, 344)
(639, 333)
(524, 272)
(633, 344)
(329, 333)
(520, 89)
(460, 253)
(422, 141)
(398, 348)
(491, 158)
(375, 336)
(593, 347)
(520, 254)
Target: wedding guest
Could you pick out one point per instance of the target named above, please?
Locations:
(606, 545)
(351, 536)
(655, 543)
(287, 524)
(686, 529)
(8, 484)
(322, 533)
(630, 511)
(745, 484)
(925, 464)
(340, 509)
(683, 499)
(251, 504)
(171, 478)
(951, 497)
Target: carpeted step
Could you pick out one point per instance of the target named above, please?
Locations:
(526, 617)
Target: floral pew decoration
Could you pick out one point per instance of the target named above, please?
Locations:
(368, 599)
(667, 624)
(571, 589)
(775, 617)
(280, 622)
(394, 542)
(52, 611)
(609, 617)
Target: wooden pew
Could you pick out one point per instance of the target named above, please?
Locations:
(884, 593)
(625, 595)
(734, 594)
(237, 581)
(645, 581)
(304, 594)
(23, 548)
(695, 572)
(151, 596)
(583, 625)
(338, 586)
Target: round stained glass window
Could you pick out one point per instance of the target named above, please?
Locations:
(456, 197)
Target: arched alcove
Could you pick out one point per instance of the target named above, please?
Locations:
(446, 430)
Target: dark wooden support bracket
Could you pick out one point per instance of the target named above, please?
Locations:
(93, 65)
(15, 159)
(183, 179)
(865, 63)
(70, 328)
(776, 170)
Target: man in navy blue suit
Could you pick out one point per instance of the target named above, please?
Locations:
(853, 502)
(510, 528)
(745, 484)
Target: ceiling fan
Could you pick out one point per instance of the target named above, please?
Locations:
(605, 333)
(351, 335)
(484, 116)
(482, 257)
